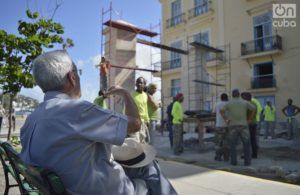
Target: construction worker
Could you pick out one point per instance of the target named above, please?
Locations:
(269, 114)
(236, 113)
(104, 69)
(101, 100)
(177, 115)
(141, 100)
(170, 121)
(153, 107)
(222, 146)
(252, 124)
(258, 113)
(290, 111)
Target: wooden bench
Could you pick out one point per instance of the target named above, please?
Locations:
(31, 180)
(7, 169)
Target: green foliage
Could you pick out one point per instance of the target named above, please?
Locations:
(18, 52)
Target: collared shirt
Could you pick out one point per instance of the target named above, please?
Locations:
(73, 138)
(141, 101)
(177, 113)
(219, 119)
(152, 111)
(237, 111)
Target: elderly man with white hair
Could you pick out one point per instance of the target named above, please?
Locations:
(73, 137)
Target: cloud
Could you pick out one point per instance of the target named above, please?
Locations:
(95, 60)
(81, 63)
(35, 93)
(89, 92)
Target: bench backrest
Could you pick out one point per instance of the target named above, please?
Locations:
(43, 180)
(3, 158)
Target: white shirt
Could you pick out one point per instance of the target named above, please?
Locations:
(219, 119)
(73, 138)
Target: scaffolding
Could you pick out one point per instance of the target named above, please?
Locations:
(208, 73)
(118, 48)
(109, 23)
(204, 85)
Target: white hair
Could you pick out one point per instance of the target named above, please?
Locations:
(50, 70)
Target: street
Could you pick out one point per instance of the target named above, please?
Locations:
(194, 180)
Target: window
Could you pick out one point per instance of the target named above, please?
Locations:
(201, 6)
(175, 58)
(263, 75)
(175, 87)
(262, 26)
(175, 13)
(202, 37)
(207, 105)
(206, 87)
(176, 8)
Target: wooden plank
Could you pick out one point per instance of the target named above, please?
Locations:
(206, 47)
(130, 28)
(165, 47)
(133, 68)
(208, 83)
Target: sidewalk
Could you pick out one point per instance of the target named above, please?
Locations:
(195, 180)
(277, 160)
(19, 123)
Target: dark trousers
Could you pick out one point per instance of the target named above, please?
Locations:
(170, 129)
(177, 138)
(253, 139)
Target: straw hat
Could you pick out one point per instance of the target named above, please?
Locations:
(133, 154)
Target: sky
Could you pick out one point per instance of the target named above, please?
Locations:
(82, 23)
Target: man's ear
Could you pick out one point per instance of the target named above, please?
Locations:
(72, 78)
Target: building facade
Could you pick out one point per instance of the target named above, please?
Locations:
(230, 44)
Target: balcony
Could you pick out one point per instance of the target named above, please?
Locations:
(200, 9)
(171, 65)
(265, 81)
(263, 46)
(174, 21)
(215, 59)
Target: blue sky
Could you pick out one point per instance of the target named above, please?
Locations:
(82, 23)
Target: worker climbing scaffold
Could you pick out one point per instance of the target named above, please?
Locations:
(104, 70)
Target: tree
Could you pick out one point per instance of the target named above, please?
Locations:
(18, 51)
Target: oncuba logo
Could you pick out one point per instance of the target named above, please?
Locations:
(283, 15)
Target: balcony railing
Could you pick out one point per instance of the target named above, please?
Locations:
(215, 57)
(172, 64)
(175, 20)
(265, 81)
(200, 9)
(263, 44)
